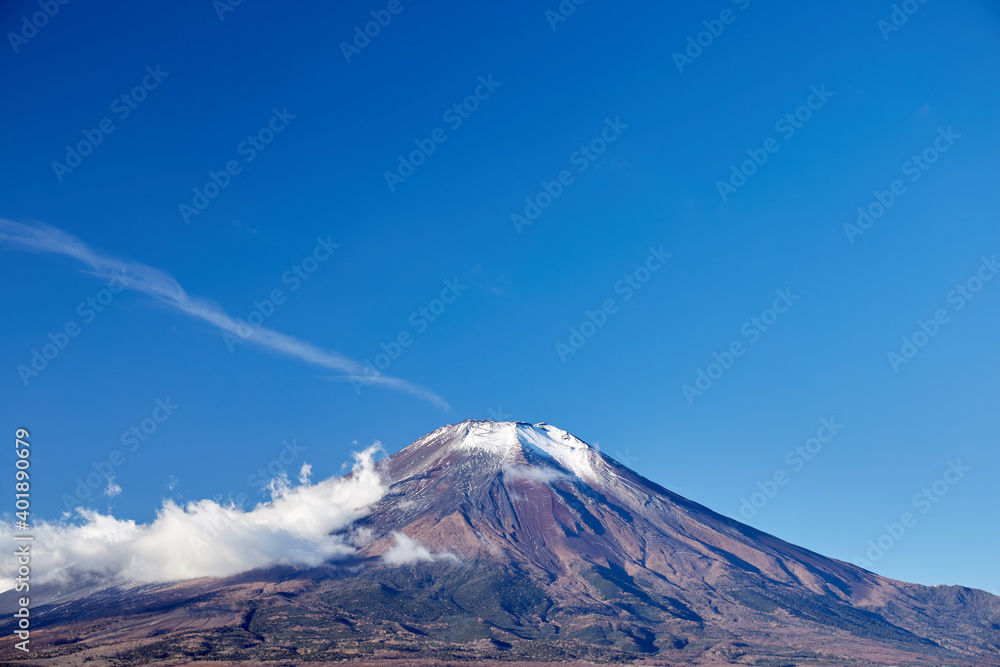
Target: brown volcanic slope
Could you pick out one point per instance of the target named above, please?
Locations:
(533, 546)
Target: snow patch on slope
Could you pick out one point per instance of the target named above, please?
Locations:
(572, 453)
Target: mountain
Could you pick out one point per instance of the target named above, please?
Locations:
(518, 542)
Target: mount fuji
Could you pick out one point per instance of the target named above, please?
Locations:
(518, 542)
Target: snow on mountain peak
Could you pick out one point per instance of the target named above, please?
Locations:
(506, 439)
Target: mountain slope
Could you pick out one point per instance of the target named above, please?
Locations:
(517, 541)
(539, 498)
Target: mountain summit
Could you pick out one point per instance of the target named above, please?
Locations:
(511, 443)
(513, 541)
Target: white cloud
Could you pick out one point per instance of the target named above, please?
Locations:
(206, 538)
(535, 474)
(153, 282)
(407, 550)
(112, 489)
(305, 473)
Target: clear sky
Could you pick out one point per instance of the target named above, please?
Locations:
(681, 191)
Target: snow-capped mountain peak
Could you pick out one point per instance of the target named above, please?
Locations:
(536, 442)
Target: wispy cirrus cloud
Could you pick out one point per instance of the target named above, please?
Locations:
(42, 238)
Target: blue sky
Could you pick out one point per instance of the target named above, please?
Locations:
(641, 146)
